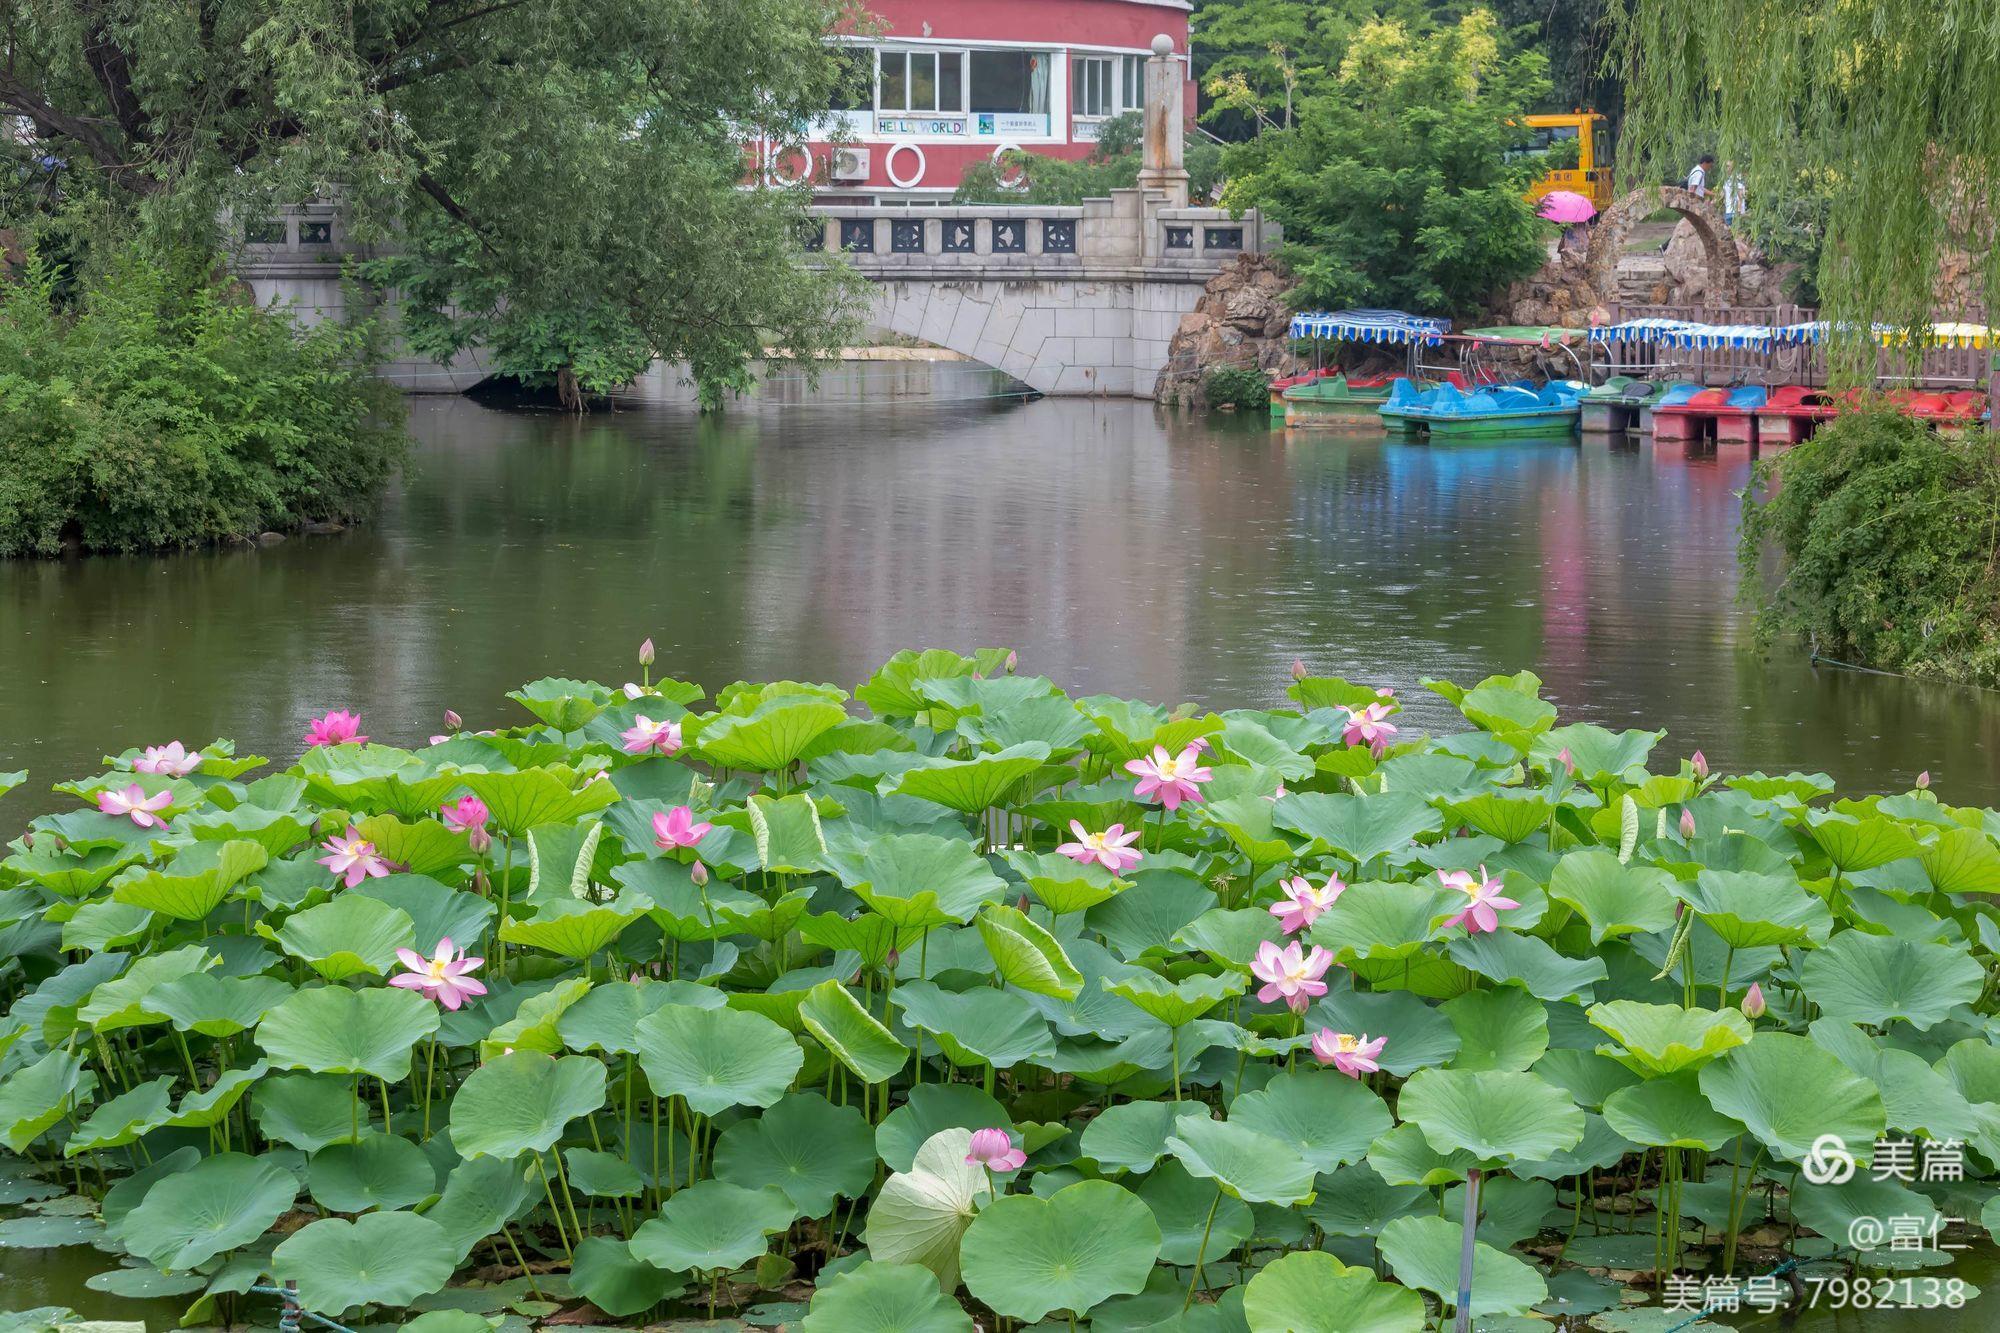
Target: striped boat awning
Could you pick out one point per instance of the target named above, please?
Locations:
(1707, 337)
(1370, 326)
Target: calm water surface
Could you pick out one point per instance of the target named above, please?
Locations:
(1118, 548)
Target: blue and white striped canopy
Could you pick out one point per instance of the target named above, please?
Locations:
(1370, 326)
(1708, 337)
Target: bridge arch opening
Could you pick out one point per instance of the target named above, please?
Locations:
(1608, 237)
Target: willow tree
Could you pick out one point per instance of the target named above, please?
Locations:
(1877, 120)
(563, 177)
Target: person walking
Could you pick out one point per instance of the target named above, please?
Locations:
(1697, 181)
(1733, 194)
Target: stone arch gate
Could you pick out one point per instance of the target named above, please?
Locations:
(1607, 241)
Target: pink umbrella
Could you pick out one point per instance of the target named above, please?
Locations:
(1567, 206)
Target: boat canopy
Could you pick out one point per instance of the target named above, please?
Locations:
(1370, 326)
(1764, 337)
(1523, 335)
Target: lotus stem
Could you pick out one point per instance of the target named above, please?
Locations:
(555, 1209)
(526, 1272)
(1201, 1252)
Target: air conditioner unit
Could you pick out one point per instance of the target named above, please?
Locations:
(850, 164)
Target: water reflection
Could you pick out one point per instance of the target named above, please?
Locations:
(1119, 548)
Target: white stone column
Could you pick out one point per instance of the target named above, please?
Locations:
(1163, 166)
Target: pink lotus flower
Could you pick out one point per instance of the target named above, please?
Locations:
(452, 721)
(994, 1149)
(1753, 1002)
(663, 736)
(1700, 765)
(1351, 1055)
(352, 858)
(1564, 761)
(441, 977)
(468, 815)
(1111, 849)
(1687, 823)
(1302, 903)
(336, 728)
(170, 760)
(1298, 668)
(676, 828)
(1483, 911)
(1290, 972)
(634, 690)
(136, 805)
(699, 874)
(1369, 726)
(646, 653)
(1170, 779)
(1924, 780)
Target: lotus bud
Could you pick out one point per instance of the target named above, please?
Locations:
(1385, 693)
(478, 839)
(1564, 761)
(1013, 660)
(1700, 764)
(1298, 668)
(1924, 780)
(895, 957)
(1687, 822)
(699, 874)
(979, 675)
(1021, 904)
(452, 721)
(1753, 1002)
(646, 653)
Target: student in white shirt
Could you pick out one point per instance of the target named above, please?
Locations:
(1697, 182)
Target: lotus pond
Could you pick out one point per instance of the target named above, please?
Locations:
(956, 998)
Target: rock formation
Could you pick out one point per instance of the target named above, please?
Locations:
(1240, 320)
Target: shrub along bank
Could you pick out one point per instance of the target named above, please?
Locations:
(983, 998)
(162, 407)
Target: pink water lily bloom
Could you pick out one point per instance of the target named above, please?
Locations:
(994, 1149)
(352, 858)
(647, 735)
(1482, 913)
(171, 760)
(1170, 779)
(133, 803)
(336, 728)
(1302, 903)
(676, 828)
(443, 976)
(1369, 726)
(1290, 972)
(1351, 1055)
(1111, 849)
(1753, 1002)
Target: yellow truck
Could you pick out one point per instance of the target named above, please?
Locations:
(1591, 135)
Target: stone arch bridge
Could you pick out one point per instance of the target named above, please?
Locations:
(1607, 241)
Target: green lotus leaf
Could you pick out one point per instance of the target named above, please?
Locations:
(1176, 1003)
(1832, 1209)
(435, 911)
(874, 1297)
(771, 736)
(1511, 816)
(1196, 1219)
(481, 1195)
(122, 1001)
(1506, 1028)
(1788, 1092)
(982, 1026)
(717, 1058)
(572, 928)
(215, 1005)
(200, 1110)
(124, 1118)
(971, 786)
(1356, 1201)
(565, 705)
(872, 938)
(104, 925)
(850, 1033)
(1962, 860)
(144, 1283)
(1496, 1115)
(378, 779)
(1585, 1075)
(1597, 756)
(1616, 899)
(1665, 1038)
(1748, 911)
(1027, 955)
(1147, 916)
(1423, 1252)
(352, 935)
(1248, 1165)
(380, 1171)
(1669, 1112)
(1130, 1136)
(921, 1213)
(34, 1098)
(1025, 1256)
(1600, 1148)
(1916, 1099)
(811, 1149)
(1229, 936)
(1360, 828)
(602, 1175)
(930, 1109)
(713, 1225)
(893, 690)
(917, 880)
(222, 1202)
(1859, 844)
(333, 1030)
(1419, 1034)
(606, 1273)
(534, 1025)
(1376, 920)
(1802, 787)
(73, 872)
(1877, 979)
(1326, 1117)
(421, 847)
(377, 1259)
(196, 882)
(787, 832)
(532, 797)
(1316, 1293)
(309, 1111)
(1063, 885)
(1509, 956)
(521, 1103)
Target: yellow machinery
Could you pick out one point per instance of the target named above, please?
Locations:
(1591, 133)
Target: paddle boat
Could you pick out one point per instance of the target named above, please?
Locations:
(1616, 404)
(1501, 412)
(1336, 400)
(1792, 412)
(1727, 416)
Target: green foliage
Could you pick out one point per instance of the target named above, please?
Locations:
(164, 408)
(1394, 186)
(1024, 177)
(1242, 387)
(1889, 536)
(792, 1088)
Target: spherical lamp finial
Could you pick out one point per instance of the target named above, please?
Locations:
(1163, 45)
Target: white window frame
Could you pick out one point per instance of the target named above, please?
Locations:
(940, 54)
(1086, 70)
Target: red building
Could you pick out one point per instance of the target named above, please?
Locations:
(960, 81)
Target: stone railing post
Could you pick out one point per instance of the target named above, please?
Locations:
(1163, 166)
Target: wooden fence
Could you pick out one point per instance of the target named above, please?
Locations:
(1939, 367)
